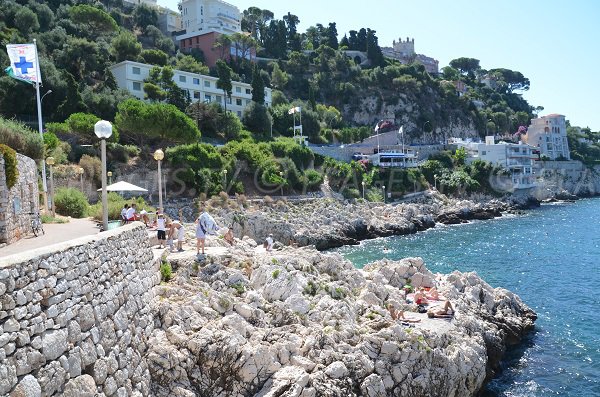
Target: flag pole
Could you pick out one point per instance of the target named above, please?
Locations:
(40, 128)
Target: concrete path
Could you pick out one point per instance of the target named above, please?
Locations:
(54, 233)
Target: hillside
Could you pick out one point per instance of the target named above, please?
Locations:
(78, 41)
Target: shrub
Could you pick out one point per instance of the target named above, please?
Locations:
(92, 167)
(10, 165)
(166, 271)
(21, 138)
(71, 202)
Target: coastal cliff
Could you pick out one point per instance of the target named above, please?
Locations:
(330, 223)
(298, 322)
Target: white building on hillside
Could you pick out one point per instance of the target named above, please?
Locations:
(169, 21)
(549, 133)
(130, 76)
(210, 16)
(518, 158)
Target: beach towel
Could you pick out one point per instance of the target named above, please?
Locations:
(207, 223)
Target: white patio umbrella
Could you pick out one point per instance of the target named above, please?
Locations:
(123, 186)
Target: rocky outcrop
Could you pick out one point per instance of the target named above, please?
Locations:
(298, 322)
(330, 223)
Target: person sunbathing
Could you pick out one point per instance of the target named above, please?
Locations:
(420, 298)
(434, 295)
(446, 312)
(399, 315)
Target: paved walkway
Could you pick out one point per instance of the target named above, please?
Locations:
(54, 233)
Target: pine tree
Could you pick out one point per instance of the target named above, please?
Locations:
(258, 87)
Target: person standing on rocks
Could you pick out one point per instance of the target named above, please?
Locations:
(161, 230)
(268, 244)
(205, 224)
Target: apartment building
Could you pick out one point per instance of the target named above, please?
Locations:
(203, 16)
(549, 134)
(131, 75)
(518, 158)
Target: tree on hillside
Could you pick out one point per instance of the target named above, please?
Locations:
(258, 86)
(222, 44)
(125, 47)
(79, 56)
(275, 41)
(279, 78)
(139, 121)
(466, 66)
(94, 19)
(189, 64)
(26, 21)
(344, 42)
(257, 119)
(155, 57)
(331, 36)
(159, 86)
(224, 82)
(293, 38)
(373, 50)
(145, 16)
(510, 80)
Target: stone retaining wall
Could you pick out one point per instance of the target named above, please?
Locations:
(75, 317)
(19, 201)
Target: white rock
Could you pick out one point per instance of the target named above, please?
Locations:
(336, 370)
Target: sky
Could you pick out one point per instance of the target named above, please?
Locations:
(554, 43)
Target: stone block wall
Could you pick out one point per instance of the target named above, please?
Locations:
(19, 201)
(75, 317)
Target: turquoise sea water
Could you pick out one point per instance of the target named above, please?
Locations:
(550, 257)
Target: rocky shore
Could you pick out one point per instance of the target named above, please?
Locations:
(299, 322)
(330, 223)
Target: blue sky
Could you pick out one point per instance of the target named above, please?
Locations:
(553, 43)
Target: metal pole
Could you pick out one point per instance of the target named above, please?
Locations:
(81, 180)
(53, 207)
(40, 128)
(160, 197)
(104, 195)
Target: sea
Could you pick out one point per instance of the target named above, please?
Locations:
(550, 257)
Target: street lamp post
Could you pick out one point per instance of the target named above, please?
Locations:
(80, 171)
(103, 130)
(50, 162)
(225, 180)
(159, 155)
(383, 188)
(109, 175)
(363, 189)
(435, 177)
(281, 175)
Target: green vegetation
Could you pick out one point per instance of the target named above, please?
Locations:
(10, 165)
(166, 271)
(71, 202)
(276, 273)
(50, 219)
(584, 145)
(21, 138)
